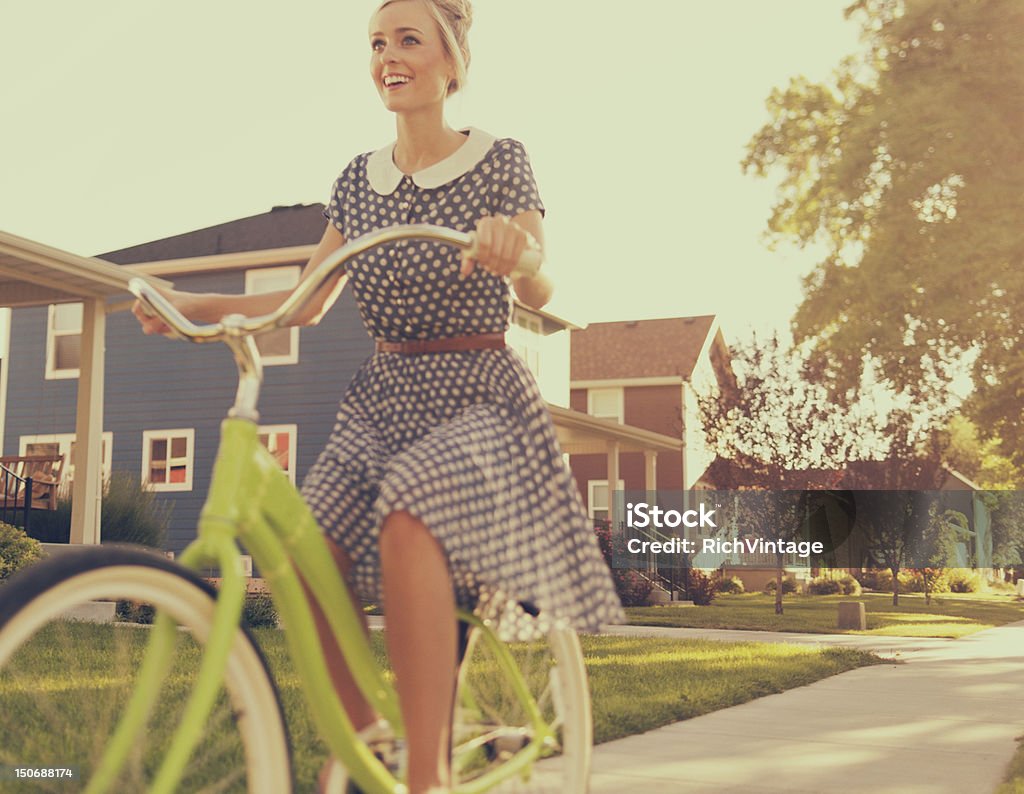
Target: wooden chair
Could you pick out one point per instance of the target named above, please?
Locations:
(45, 471)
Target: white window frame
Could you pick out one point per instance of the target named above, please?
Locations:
(292, 431)
(63, 442)
(252, 279)
(592, 485)
(52, 373)
(620, 398)
(148, 436)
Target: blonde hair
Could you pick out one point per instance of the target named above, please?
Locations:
(453, 18)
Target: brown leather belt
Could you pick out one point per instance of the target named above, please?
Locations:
(454, 344)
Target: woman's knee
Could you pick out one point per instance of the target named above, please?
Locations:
(403, 537)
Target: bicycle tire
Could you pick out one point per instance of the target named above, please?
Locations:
(63, 680)
(486, 707)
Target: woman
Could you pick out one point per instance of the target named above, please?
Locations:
(442, 481)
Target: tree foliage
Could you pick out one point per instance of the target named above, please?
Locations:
(907, 166)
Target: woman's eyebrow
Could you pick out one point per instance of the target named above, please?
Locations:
(399, 30)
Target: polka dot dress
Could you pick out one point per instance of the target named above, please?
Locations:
(461, 440)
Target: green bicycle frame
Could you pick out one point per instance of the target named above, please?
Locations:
(252, 500)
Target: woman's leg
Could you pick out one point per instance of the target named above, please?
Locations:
(419, 605)
(358, 710)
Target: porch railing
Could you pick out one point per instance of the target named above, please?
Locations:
(15, 495)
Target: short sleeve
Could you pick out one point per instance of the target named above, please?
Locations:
(335, 209)
(517, 188)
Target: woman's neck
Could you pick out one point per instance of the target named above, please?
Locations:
(423, 140)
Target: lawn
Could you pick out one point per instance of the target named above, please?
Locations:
(637, 683)
(60, 712)
(949, 615)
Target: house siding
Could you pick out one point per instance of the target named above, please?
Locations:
(154, 383)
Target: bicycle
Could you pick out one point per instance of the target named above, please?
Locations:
(522, 715)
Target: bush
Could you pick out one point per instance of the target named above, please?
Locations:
(964, 580)
(634, 590)
(789, 585)
(130, 513)
(730, 585)
(134, 612)
(16, 550)
(836, 583)
(822, 585)
(702, 588)
(259, 611)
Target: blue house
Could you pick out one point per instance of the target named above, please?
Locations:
(164, 399)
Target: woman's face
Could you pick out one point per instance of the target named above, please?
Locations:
(408, 64)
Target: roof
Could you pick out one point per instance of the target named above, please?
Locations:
(639, 348)
(282, 227)
(34, 274)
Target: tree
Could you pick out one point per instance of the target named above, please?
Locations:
(780, 430)
(776, 420)
(906, 167)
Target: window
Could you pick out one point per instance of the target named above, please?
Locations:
(280, 441)
(167, 457)
(599, 500)
(63, 340)
(606, 404)
(277, 347)
(64, 444)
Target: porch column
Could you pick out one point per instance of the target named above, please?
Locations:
(651, 496)
(615, 512)
(88, 460)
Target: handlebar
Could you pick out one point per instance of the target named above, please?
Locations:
(235, 326)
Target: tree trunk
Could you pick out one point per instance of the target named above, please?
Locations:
(927, 587)
(779, 574)
(895, 587)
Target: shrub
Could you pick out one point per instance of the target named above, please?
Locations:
(702, 588)
(130, 513)
(822, 585)
(259, 611)
(835, 583)
(789, 585)
(16, 550)
(634, 590)
(730, 585)
(964, 580)
(134, 612)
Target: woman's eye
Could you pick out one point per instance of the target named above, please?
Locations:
(377, 45)
(410, 40)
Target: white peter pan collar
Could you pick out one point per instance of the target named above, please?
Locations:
(384, 176)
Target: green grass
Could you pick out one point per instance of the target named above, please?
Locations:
(65, 706)
(1013, 783)
(949, 615)
(638, 684)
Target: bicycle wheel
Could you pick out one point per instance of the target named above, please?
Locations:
(66, 676)
(491, 725)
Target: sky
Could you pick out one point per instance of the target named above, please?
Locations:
(126, 121)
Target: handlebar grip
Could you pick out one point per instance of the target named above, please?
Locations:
(529, 261)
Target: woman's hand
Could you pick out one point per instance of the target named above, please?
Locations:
(151, 324)
(499, 244)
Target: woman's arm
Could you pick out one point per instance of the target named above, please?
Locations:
(210, 307)
(534, 291)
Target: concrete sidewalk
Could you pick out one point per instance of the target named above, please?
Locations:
(943, 721)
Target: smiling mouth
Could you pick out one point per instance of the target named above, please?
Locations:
(393, 81)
